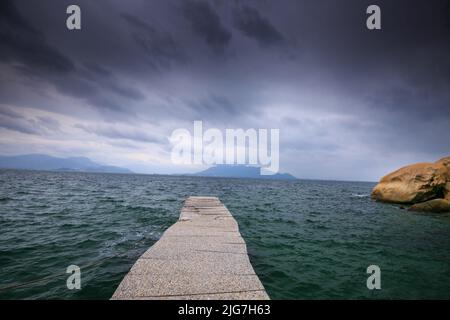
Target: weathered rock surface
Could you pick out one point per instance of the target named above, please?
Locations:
(435, 205)
(447, 191)
(426, 186)
(415, 183)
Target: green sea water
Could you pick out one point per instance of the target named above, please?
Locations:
(306, 239)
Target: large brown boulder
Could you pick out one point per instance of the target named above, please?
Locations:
(415, 183)
(435, 205)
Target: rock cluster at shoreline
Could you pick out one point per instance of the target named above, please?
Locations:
(424, 186)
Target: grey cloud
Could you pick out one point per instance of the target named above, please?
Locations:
(125, 91)
(206, 23)
(153, 65)
(110, 82)
(49, 123)
(412, 103)
(20, 42)
(112, 132)
(84, 89)
(41, 125)
(4, 111)
(250, 22)
(97, 69)
(216, 109)
(126, 145)
(19, 125)
(161, 49)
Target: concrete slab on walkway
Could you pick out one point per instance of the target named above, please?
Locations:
(202, 256)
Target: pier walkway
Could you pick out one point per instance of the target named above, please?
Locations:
(202, 256)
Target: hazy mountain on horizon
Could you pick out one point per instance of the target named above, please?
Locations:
(241, 171)
(51, 163)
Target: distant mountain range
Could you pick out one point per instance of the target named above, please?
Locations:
(83, 164)
(241, 171)
(45, 162)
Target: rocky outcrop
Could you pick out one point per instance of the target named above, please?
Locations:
(447, 191)
(417, 183)
(435, 205)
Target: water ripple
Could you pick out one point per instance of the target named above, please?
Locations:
(306, 239)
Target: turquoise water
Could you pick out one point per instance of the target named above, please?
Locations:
(306, 239)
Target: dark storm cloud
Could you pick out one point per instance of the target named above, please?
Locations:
(125, 91)
(219, 107)
(22, 43)
(250, 22)
(206, 23)
(161, 49)
(105, 79)
(359, 97)
(27, 47)
(97, 70)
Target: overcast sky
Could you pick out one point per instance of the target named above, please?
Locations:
(350, 103)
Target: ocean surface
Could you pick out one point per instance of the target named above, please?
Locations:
(306, 239)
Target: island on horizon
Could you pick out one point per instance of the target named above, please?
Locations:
(241, 171)
(51, 163)
(83, 164)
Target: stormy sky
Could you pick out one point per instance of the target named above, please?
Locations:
(351, 104)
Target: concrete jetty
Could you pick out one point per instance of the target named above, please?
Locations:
(202, 256)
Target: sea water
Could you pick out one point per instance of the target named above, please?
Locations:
(306, 239)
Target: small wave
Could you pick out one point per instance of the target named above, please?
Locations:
(110, 200)
(358, 195)
(321, 226)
